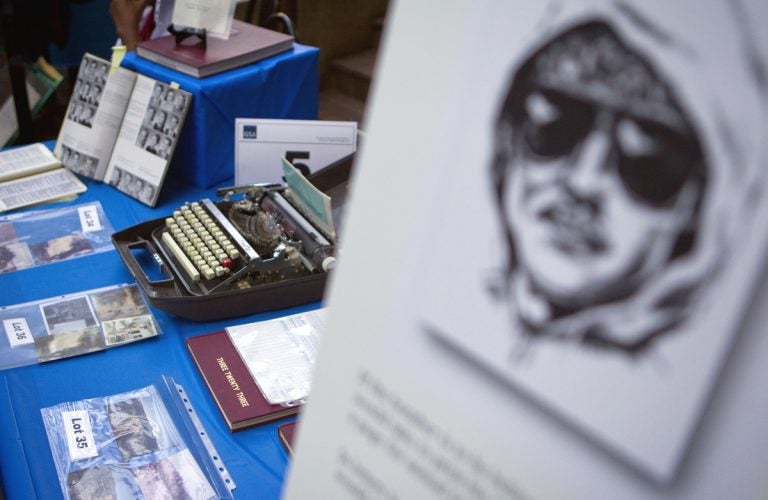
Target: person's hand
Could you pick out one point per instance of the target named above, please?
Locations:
(127, 15)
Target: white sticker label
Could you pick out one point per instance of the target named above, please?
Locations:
(89, 219)
(18, 332)
(77, 427)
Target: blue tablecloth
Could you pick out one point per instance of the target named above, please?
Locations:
(281, 86)
(255, 457)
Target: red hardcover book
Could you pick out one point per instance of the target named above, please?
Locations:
(230, 383)
(286, 432)
(247, 43)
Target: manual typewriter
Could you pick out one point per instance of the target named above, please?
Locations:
(259, 247)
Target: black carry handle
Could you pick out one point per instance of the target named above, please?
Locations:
(153, 287)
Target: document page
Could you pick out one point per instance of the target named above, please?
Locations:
(147, 139)
(26, 160)
(93, 118)
(40, 188)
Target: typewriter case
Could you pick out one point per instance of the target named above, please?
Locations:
(167, 289)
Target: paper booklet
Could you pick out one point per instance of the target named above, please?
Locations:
(122, 128)
(31, 175)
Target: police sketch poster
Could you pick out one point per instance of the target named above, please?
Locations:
(612, 218)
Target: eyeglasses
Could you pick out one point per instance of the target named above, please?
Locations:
(653, 161)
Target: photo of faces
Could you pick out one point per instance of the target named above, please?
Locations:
(162, 120)
(87, 91)
(78, 162)
(133, 185)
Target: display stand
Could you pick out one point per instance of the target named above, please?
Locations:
(281, 86)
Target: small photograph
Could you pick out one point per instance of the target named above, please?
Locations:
(123, 330)
(102, 481)
(157, 94)
(75, 111)
(87, 91)
(123, 302)
(79, 162)
(87, 115)
(164, 147)
(177, 476)
(141, 137)
(171, 128)
(15, 256)
(133, 186)
(133, 430)
(68, 315)
(64, 247)
(174, 101)
(68, 344)
(7, 231)
(152, 144)
(158, 119)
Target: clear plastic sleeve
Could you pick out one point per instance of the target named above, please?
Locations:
(280, 354)
(138, 444)
(74, 324)
(35, 238)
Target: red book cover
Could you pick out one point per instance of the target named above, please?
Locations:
(247, 43)
(230, 383)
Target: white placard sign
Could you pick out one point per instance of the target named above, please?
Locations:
(77, 428)
(18, 332)
(309, 145)
(89, 218)
(570, 297)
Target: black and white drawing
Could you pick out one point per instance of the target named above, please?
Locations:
(622, 182)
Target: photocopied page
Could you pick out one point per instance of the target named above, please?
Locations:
(93, 118)
(26, 160)
(578, 308)
(147, 139)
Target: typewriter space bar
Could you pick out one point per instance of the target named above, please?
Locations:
(177, 252)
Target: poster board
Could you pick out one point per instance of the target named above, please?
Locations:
(453, 388)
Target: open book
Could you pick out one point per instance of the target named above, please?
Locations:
(31, 175)
(122, 128)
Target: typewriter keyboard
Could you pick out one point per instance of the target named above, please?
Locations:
(197, 240)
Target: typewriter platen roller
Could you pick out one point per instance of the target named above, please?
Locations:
(257, 248)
